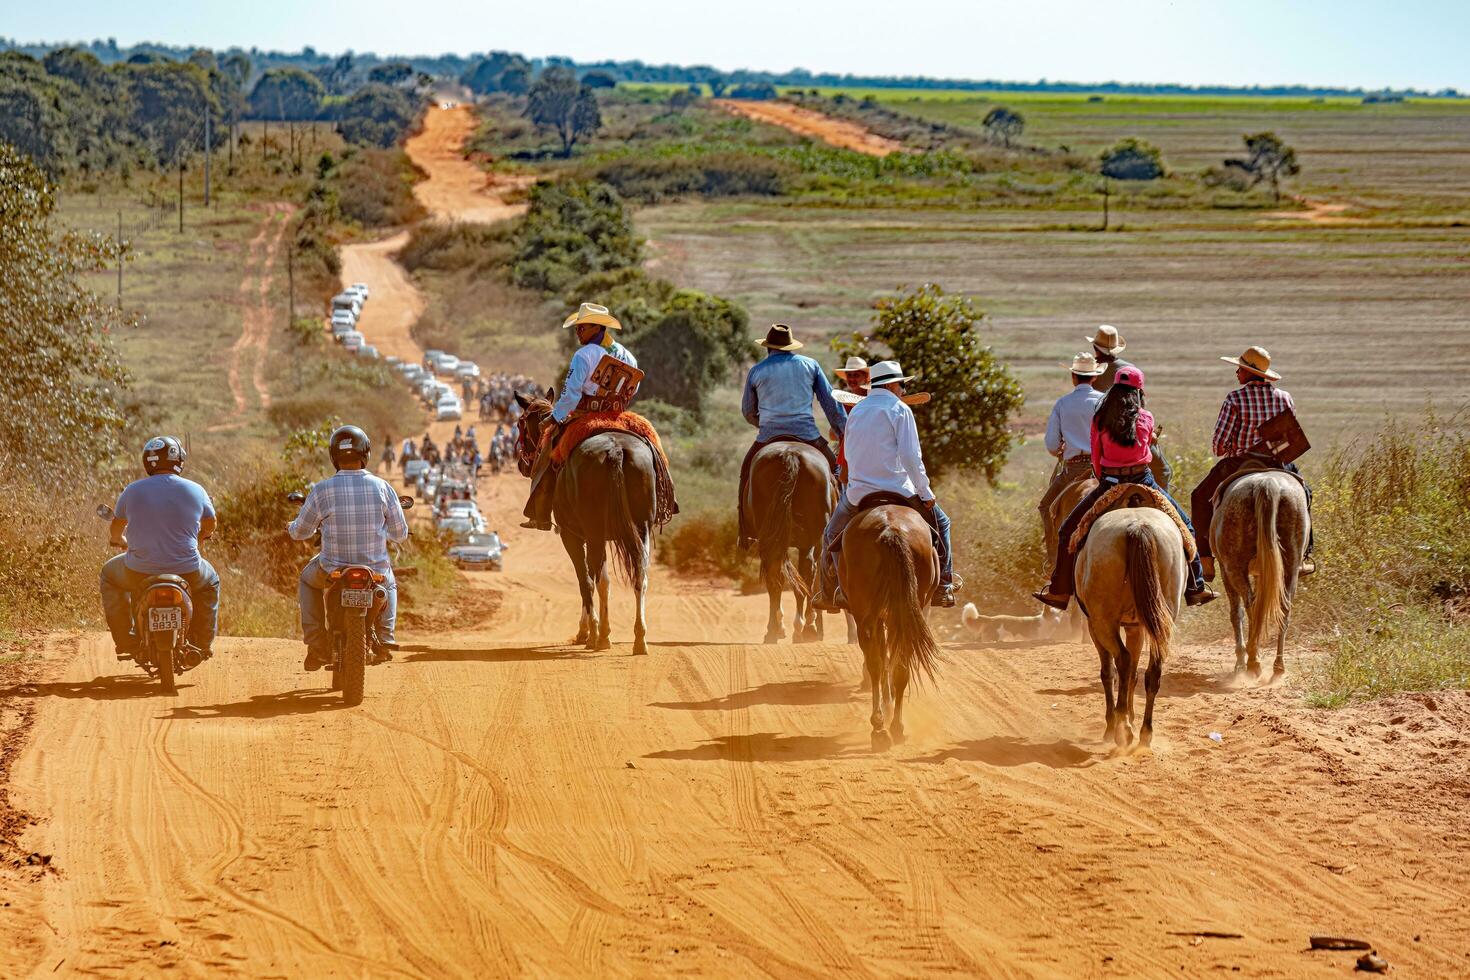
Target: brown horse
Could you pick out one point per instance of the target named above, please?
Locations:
(790, 493)
(605, 495)
(1259, 536)
(1131, 573)
(888, 567)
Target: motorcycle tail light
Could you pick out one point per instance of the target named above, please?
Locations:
(163, 596)
(358, 578)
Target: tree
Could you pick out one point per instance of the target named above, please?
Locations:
(756, 91)
(1269, 159)
(1132, 159)
(376, 115)
(395, 73)
(572, 228)
(515, 80)
(558, 101)
(937, 338)
(488, 74)
(237, 65)
(1003, 125)
(168, 100)
(599, 79)
(287, 93)
(717, 85)
(59, 407)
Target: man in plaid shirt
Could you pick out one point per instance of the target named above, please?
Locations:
(1256, 401)
(358, 514)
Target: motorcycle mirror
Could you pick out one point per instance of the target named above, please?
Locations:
(406, 502)
(296, 497)
(105, 512)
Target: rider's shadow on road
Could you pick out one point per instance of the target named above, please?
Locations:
(427, 655)
(762, 747)
(108, 687)
(790, 693)
(298, 702)
(1010, 750)
(1175, 684)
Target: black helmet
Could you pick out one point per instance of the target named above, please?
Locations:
(349, 443)
(163, 454)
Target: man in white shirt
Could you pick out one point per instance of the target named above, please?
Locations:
(1069, 436)
(881, 444)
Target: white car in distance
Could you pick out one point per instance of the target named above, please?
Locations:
(351, 341)
(449, 409)
(466, 370)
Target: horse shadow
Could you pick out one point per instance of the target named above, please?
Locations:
(263, 706)
(1178, 684)
(787, 693)
(426, 655)
(1006, 751)
(108, 687)
(761, 747)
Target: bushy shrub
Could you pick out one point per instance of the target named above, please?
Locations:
(572, 228)
(1132, 159)
(654, 179)
(376, 115)
(450, 247)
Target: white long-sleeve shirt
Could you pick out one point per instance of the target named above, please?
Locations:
(1069, 427)
(579, 376)
(881, 444)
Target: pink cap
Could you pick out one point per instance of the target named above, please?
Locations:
(1130, 376)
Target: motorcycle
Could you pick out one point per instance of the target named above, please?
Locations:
(162, 611)
(354, 597)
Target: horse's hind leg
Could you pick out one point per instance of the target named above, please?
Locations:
(596, 575)
(900, 686)
(604, 632)
(640, 595)
(578, 553)
(1104, 645)
(1151, 690)
(1235, 592)
(870, 636)
(1279, 668)
(807, 617)
(775, 583)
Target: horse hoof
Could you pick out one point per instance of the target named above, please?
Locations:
(899, 736)
(809, 636)
(581, 637)
(1254, 670)
(640, 649)
(772, 638)
(882, 742)
(603, 643)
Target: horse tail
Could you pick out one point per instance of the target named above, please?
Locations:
(775, 531)
(1268, 602)
(909, 636)
(621, 528)
(1149, 600)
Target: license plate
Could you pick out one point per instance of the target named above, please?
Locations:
(163, 619)
(357, 598)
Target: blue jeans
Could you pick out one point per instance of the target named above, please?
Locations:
(313, 583)
(1063, 578)
(843, 515)
(119, 584)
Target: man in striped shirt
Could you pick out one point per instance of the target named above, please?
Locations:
(1255, 402)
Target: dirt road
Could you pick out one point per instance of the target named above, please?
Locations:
(504, 803)
(253, 343)
(813, 125)
(456, 189)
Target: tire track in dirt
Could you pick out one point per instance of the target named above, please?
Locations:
(255, 317)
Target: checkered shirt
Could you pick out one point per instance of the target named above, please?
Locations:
(358, 515)
(1244, 410)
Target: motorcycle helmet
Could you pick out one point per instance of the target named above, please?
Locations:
(163, 454)
(349, 444)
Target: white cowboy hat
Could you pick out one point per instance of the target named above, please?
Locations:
(853, 364)
(1256, 360)
(1108, 340)
(1085, 365)
(886, 373)
(592, 313)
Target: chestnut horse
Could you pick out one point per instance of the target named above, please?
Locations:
(791, 495)
(888, 568)
(605, 495)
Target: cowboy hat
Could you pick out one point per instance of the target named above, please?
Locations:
(846, 397)
(853, 398)
(886, 373)
(1256, 360)
(592, 313)
(1085, 365)
(1108, 340)
(853, 364)
(779, 338)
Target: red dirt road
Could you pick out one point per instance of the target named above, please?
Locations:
(813, 125)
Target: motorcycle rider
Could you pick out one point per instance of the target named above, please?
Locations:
(165, 517)
(358, 514)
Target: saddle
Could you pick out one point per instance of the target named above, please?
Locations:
(888, 498)
(1129, 495)
(580, 428)
(1253, 463)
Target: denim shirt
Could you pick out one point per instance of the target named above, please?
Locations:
(778, 397)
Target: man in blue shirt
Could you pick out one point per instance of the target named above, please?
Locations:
(778, 402)
(1069, 438)
(358, 514)
(165, 517)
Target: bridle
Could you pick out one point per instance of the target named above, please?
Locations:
(525, 446)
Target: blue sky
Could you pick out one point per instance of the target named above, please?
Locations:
(1419, 43)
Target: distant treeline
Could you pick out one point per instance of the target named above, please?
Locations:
(458, 66)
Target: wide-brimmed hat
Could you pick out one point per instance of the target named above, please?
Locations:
(779, 338)
(853, 364)
(853, 398)
(1085, 365)
(846, 397)
(886, 373)
(1256, 360)
(1108, 340)
(592, 313)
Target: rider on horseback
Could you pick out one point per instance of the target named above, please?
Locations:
(1120, 437)
(883, 454)
(594, 325)
(1257, 400)
(1069, 433)
(1107, 344)
(778, 402)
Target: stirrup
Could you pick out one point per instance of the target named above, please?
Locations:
(1054, 601)
(943, 596)
(1308, 567)
(1200, 598)
(531, 524)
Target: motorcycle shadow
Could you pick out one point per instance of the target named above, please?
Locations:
(259, 706)
(108, 687)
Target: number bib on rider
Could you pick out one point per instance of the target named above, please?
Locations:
(165, 618)
(357, 598)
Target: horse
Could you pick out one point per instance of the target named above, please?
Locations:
(790, 493)
(1259, 536)
(1131, 573)
(605, 495)
(1073, 620)
(888, 567)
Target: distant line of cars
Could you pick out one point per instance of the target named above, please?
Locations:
(346, 311)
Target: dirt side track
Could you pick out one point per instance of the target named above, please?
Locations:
(505, 803)
(813, 125)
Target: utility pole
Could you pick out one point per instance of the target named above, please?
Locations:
(290, 280)
(208, 152)
(119, 257)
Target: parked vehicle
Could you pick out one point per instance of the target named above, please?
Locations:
(430, 356)
(354, 597)
(352, 340)
(460, 525)
(481, 549)
(467, 369)
(361, 289)
(413, 373)
(162, 611)
(340, 327)
(445, 364)
(347, 301)
(368, 351)
(393, 361)
(412, 470)
(448, 409)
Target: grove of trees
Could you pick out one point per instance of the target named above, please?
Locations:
(557, 100)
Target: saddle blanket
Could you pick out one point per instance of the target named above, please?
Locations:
(1251, 464)
(1118, 496)
(583, 427)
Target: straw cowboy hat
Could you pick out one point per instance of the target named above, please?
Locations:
(886, 373)
(592, 313)
(853, 398)
(853, 364)
(1085, 365)
(1256, 360)
(1107, 340)
(779, 338)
